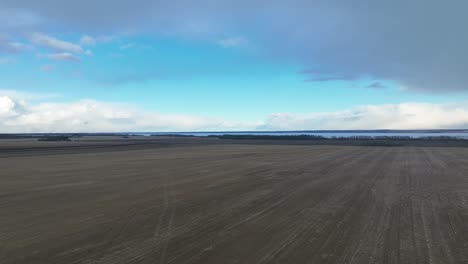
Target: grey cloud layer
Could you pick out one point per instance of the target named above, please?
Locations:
(422, 43)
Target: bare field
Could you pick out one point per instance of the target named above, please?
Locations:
(232, 203)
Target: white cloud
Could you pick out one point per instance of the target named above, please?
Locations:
(7, 106)
(63, 56)
(20, 113)
(391, 116)
(95, 116)
(232, 42)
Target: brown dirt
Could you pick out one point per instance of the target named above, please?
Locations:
(234, 203)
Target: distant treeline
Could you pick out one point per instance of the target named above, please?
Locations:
(54, 138)
(269, 137)
(39, 135)
(317, 137)
(173, 135)
(383, 141)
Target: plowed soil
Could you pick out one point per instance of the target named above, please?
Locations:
(234, 203)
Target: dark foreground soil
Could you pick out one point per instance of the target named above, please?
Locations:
(232, 203)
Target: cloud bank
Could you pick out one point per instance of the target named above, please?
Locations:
(391, 116)
(421, 43)
(19, 115)
(24, 113)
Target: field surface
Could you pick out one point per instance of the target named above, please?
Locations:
(197, 202)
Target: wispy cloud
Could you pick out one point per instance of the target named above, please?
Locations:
(376, 85)
(9, 46)
(127, 46)
(87, 40)
(232, 42)
(63, 56)
(133, 45)
(7, 60)
(46, 41)
(47, 68)
(13, 47)
(320, 77)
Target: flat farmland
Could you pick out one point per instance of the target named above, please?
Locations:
(234, 203)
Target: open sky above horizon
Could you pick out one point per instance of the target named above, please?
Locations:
(110, 66)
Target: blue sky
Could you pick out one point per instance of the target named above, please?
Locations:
(225, 74)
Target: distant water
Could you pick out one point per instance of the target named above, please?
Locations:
(330, 134)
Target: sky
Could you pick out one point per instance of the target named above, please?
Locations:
(141, 65)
